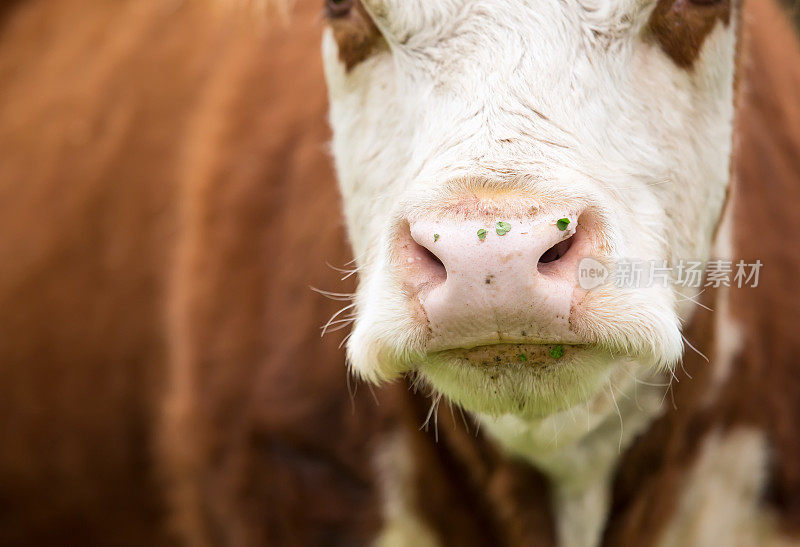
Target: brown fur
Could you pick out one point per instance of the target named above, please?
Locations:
(356, 34)
(168, 200)
(768, 170)
(680, 27)
(467, 492)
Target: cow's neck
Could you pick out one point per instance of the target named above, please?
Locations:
(577, 450)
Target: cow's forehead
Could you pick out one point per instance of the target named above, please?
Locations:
(433, 33)
(404, 18)
(432, 9)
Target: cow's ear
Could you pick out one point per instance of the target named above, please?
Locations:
(680, 27)
(354, 30)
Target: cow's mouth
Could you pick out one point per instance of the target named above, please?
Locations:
(526, 379)
(533, 355)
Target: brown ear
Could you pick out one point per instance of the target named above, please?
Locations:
(680, 26)
(353, 29)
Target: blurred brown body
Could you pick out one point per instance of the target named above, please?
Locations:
(167, 199)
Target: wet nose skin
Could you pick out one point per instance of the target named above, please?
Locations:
(496, 290)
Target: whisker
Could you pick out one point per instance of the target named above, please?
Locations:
(342, 270)
(339, 296)
(431, 411)
(463, 418)
(333, 317)
(416, 380)
(668, 390)
(351, 261)
(339, 325)
(374, 397)
(452, 415)
(651, 384)
(636, 395)
(436, 421)
(347, 271)
(351, 389)
(697, 351)
(692, 299)
(345, 319)
(345, 339)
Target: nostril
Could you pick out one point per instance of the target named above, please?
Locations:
(557, 251)
(419, 267)
(430, 262)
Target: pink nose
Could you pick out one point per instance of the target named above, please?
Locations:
(493, 281)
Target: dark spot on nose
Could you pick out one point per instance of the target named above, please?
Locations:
(488, 279)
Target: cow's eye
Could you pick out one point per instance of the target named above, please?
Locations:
(338, 8)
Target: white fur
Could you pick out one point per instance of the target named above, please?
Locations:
(719, 504)
(402, 525)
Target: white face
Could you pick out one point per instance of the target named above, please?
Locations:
(452, 115)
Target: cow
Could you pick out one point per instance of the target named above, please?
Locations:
(170, 199)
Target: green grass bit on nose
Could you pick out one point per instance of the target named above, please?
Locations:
(557, 352)
(502, 228)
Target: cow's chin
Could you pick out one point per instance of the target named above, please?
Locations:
(520, 379)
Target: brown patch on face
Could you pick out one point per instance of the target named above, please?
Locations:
(354, 31)
(681, 26)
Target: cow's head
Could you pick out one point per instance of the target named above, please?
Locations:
(588, 128)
